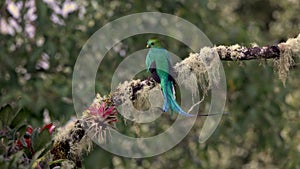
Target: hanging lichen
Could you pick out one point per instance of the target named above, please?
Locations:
(288, 50)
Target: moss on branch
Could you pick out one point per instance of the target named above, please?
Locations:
(194, 67)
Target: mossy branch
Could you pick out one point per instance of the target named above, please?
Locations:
(237, 52)
(281, 54)
(72, 142)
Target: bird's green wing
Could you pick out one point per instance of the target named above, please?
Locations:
(149, 60)
(160, 57)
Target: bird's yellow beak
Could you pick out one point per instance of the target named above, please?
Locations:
(147, 46)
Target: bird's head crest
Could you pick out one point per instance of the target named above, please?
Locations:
(154, 43)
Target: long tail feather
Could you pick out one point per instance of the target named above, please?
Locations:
(167, 88)
(165, 93)
(166, 104)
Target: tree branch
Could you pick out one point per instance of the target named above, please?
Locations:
(237, 52)
(282, 55)
(137, 91)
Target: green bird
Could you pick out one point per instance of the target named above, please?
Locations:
(158, 62)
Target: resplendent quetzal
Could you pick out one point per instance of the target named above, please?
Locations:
(158, 62)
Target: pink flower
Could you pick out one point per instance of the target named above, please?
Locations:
(27, 137)
(102, 110)
(49, 126)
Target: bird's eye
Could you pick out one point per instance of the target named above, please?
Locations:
(152, 43)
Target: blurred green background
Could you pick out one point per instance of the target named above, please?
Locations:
(41, 39)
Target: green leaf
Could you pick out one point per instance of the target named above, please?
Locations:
(34, 134)
(46, 150)
(24, 144)
(21, 130)
(6, 114)
(56, 161)
(40, 140)
(19, 118)
(14, 160)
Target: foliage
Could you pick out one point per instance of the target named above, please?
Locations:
(21, 145)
